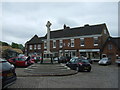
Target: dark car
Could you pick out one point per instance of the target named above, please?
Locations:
(63, 59)
(79, 64)
(8, 74)
(91, 62)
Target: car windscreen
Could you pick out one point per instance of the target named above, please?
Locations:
(21, 59)
(84, 61)
(104, 59)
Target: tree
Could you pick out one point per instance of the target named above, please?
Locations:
(14, 45)
(4, 43)
(20, 46)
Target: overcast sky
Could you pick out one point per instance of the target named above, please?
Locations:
(22, 20)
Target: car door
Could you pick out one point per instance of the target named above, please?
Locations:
(74, 64)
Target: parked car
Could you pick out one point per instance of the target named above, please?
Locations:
(117, 61)
(36, 58)
(8, 74)
(91, 61)
(85, 58)
(21, 61)
(63, 59)
(105, 61)
(55, 58)
(79, 64)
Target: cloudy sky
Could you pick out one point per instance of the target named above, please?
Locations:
(22, 20)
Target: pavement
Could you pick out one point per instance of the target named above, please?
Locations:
(46, 69)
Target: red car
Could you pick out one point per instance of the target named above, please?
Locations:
(36, 58)
(21, 61)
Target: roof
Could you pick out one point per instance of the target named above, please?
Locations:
(78, 31)
(70, 32)
(35, 40)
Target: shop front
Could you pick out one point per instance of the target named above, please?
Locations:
(93, 54)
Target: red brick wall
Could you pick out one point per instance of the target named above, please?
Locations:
(113, 52)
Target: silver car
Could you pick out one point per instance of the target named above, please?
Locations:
(117, 61)
(105, 61)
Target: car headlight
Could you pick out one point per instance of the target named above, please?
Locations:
(12, 65)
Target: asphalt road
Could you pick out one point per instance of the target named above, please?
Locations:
(99, 77)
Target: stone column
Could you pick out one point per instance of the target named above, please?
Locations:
(48, 36)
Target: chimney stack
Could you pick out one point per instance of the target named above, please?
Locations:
(86, 25)
(66, 27)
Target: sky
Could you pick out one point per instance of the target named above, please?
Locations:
(22, 20)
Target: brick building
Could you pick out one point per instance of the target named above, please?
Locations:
(111, 48)
(78, 41)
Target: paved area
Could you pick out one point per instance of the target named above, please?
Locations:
(45, 70)
(99, 77)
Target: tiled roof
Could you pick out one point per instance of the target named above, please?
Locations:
(78, 31)
(70, 32)
(35, 40)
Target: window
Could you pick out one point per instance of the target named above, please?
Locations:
(30, 47)
(54, 43)
(39, 46)
(34, 46)
(61, 43)
(82, 42)
(109, 46)
(72, 42)
(105, 32)
(45, 45)
(95, 41)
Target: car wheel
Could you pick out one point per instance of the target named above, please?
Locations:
(77, 69)
(89, 70)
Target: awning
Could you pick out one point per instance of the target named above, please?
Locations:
(89, 50)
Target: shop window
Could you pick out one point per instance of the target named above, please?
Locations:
(96, 55)
(83, 54)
